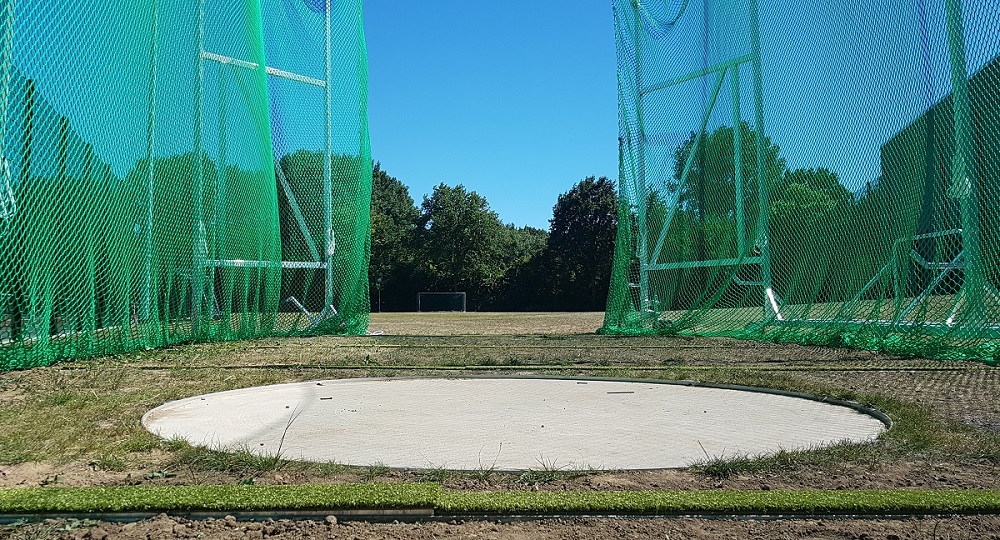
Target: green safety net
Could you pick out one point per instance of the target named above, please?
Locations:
(180, 170)
(810, 172)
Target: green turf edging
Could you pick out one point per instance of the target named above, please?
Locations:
(722, 502)
(218, 498)
(432, 496)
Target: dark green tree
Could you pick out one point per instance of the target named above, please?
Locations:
(577, 267)
(710, 186)
(461, 241)
(517, 289)
(393, 251)
(809, 211)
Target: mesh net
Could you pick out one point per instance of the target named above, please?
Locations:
(821, 173)
(179, 171)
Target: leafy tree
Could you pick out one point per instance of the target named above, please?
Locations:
(394, 218)
(705, 222)
(460, 240)
(710, 187)
(821, 181)
(522, 250)
(581, 243)
(807, 215)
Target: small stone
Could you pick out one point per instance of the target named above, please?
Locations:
(331, 520)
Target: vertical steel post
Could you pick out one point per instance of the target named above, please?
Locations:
(147, 285)
(198, 256)
(763, 197)
(51, 313)
(327, 165)
(221, 219)
(22, 303)
(964, 184)
(6, 62)
(90, 319)
(741, 229)
(642, 197)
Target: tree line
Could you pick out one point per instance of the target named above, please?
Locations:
(826, 242)
(454, 242)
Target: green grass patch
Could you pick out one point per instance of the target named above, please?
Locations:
(217, 498)
(861, 502)
(429, 495)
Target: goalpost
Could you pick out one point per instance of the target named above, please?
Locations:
(441, 301)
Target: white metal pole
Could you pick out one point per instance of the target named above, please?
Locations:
(199, 255)
(640, 180)
(327, 157)
(147, 285)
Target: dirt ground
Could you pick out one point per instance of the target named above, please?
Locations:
(165, 527)
(947, 432)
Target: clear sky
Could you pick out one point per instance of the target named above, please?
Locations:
(517, 100)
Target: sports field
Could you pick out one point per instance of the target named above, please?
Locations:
(78, 425)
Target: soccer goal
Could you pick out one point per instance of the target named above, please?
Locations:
(441, 301)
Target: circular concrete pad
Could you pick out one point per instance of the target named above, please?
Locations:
(506, 424)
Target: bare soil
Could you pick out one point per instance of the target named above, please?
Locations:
(166, 527)
(77, 424)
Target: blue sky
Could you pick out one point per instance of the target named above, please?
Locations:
(516, 100)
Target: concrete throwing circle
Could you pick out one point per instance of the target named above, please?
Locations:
(506, 424)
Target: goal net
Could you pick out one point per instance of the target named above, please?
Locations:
(441, 301)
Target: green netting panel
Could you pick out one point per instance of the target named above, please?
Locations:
(150, 158)
(822, 173)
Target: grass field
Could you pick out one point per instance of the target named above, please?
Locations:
(78, 424)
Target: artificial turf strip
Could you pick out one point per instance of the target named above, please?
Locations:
(427, 495)
(873, 502)
(217, 498)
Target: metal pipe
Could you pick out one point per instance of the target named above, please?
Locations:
(6, 63)
(763, 197)
(220, 221)
(964, 184)
(327, 157)
(199, 248)
(293, 205)
(672, 207)
(642, 197)
(721, 66)
(715, 263)
(253, 66)
(741, 230)
(147, 285)
(90, 320)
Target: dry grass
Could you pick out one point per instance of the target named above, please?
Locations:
(78, 423)
(485, 324)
